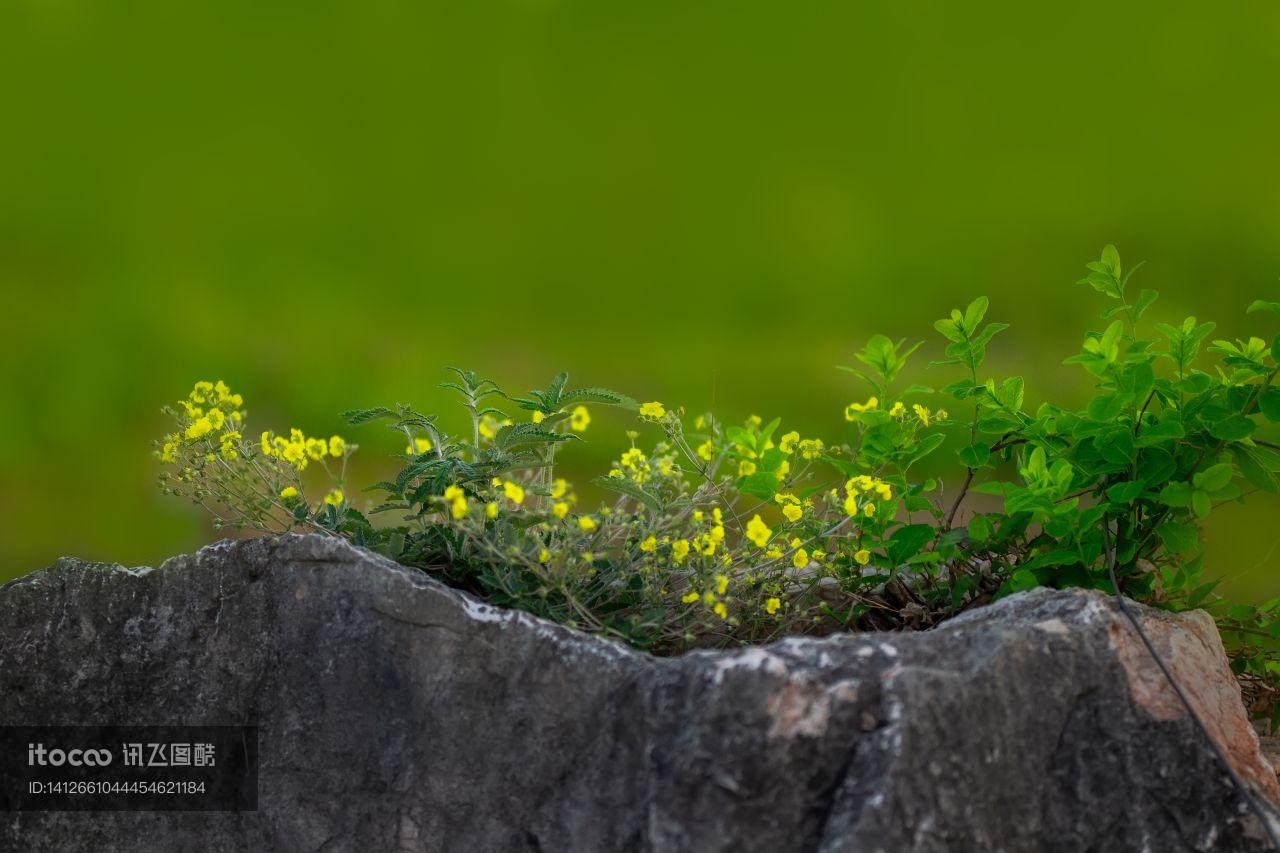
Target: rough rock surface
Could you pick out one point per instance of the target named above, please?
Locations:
(399, 715)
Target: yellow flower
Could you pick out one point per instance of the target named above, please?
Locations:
(201, 427)
(941, 414)
(419, 445)
(772, 605)
(863, 556)
(758, 532)
(706, 449)
(800, 558)
(560, 509)
(544, 555)
(653, 411)
(579, 419)
(869, 509)
(851, 505)
(288, 494)
(680, 550)
(586, 523)
(811, 448)
(746, 468)
(491, 510)
(720, 610)
(337, 445)
(818, 556)
(201, 391)
(559, 487)
(852, 410)
(897, 409)
(217, 418)
(884, 490)
(266, 443)
(722, 584)
(537, 417)
(458, 507)
(228, 444)
(690, 597)
(773, 553)
(922, 413)
(754, 421)
(334, 498)
(317, 448)
(513, 492)
(787, 444)
(649, 545)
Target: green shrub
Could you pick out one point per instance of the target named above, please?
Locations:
(726, 534)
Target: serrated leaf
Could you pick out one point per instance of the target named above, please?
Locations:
(623, 486)
(355, 417)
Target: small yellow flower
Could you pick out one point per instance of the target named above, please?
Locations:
(334, 498)
(588, 557)
(288, 494)
(586, 523)
(746, 468)
(922, 413)
(787, 444)
(772, 605)
(852, 410)
(690, 597)
(337, 445)
(649, 545)
(491, 510)
(811, 448)
(419, 445)
(793, 512)
(544, 556)
(537, 417)
(513, 492)
(758, 532)
(720, 610)
(897, 410)
(653, 411)
(705, 450)
(579, 419)
(862, 556)
(941, 415)
(560, 509)
(754, 421)
(869, 509)
(851, 505)
(559, 487)
(199, 428)
(317, 448)
(722, 584)
(267, 450)
(680, 550)
(800, 558)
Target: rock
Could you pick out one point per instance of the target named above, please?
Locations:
(396, 714)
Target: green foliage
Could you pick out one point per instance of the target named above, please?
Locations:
(740, 533)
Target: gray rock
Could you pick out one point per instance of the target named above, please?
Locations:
(399, 715)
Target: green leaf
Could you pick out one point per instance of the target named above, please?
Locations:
(356, 417)
(1213, 478)
(907, 540)
(762, 484)
(980, 528)
(1262, 305)
(1179, 538)
(1201, 505)
(1234, 428)
(1176, 495)
(975, 455)
(1123, 493)
(1269, 404)
(623, 486)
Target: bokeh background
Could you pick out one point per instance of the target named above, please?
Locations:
(707, 204)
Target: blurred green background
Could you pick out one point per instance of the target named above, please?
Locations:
(707, 204)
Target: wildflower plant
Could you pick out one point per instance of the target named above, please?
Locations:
(720, 534)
